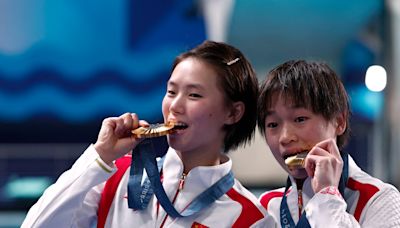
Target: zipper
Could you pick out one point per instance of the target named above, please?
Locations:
(182, 182)
(300, 201)
(180, 188)
(299, 183)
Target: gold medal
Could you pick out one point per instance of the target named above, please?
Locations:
(156, 130)
(296, 161)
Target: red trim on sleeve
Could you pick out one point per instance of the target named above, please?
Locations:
(367, 191)
(198, 225)
(331, 190)
(268, 197)
(107, 196)
(250, 213)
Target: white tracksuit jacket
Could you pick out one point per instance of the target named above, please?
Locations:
(73, 200)
(369, 202)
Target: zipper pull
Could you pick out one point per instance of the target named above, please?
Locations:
(182, 181)
(300, 201)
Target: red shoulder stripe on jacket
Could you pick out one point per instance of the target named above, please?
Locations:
(250, 213)
(107, 196)
(268, 197)
(366, 192)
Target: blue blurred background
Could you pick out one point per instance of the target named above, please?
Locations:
(66, 65)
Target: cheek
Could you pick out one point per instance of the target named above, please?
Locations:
(273, 144)
(165, 105)
(270, 138)
(206, 120)
(324, 132)
(215, 115)
(204, 117)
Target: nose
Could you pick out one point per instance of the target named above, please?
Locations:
(287, 134)
(177, 105)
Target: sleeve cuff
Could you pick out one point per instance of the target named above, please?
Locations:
(326, 206)
(331, 190)
(104, 166)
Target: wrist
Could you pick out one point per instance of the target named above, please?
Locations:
(104, 156)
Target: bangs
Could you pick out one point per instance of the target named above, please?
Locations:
(294, 92)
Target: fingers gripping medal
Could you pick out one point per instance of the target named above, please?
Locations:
(156, 130)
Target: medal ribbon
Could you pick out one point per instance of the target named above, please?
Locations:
(139, 195)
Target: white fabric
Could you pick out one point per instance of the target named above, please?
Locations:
(329, 210)
(73, 200)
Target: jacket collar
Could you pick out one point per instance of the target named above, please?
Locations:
(197, 180)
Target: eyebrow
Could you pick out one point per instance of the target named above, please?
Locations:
(189, 86)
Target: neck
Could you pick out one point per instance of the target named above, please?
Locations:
(192, 160)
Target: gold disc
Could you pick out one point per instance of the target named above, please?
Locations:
(296, 161)
(153, 130)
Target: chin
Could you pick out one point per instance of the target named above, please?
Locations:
(175, 144)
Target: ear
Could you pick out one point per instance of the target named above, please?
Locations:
(236, 112)
(341, 124)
